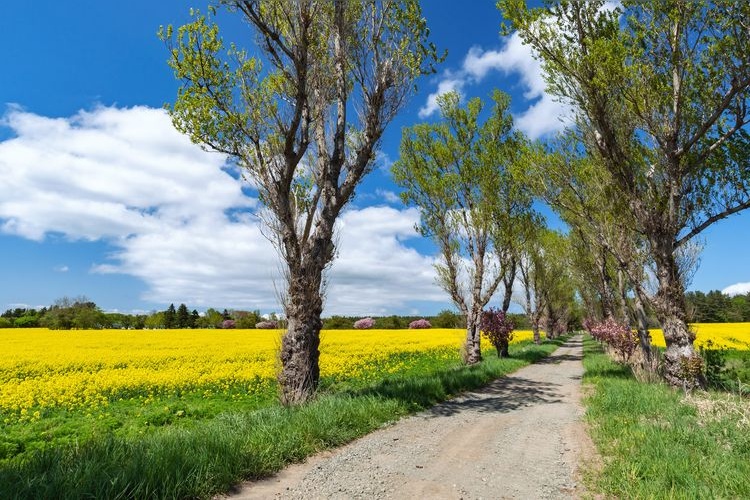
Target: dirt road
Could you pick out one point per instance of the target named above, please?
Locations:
(519, 437)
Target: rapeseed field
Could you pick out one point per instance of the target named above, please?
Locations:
(87, 370)
(721, 335)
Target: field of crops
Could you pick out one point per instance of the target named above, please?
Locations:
(721, 335)
(188, 413)
(42, 370)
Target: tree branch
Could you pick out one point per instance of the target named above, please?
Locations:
(706, 223)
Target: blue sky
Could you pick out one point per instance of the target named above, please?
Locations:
(100, 197)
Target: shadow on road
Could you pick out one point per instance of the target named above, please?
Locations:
(556, 360)
(512, 392)
(503, 395)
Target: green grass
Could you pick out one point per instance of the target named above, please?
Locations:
(655, 444)
(728, 369)
(207, 450)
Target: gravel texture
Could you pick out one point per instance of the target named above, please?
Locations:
(519, 437)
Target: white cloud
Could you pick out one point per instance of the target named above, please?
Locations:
(449, 83)
(388, 196)
(611, 5)
(181, 223)
(737, 289)
(383, 161)
(543, 116)
(62, 269)
(372, 262)
(106, 173)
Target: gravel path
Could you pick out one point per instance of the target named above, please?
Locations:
(519, 437)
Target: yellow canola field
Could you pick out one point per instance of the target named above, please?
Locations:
(87, 369)
(728, 335)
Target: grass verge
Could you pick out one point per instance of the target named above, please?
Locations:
(210, 456)
(657, 443)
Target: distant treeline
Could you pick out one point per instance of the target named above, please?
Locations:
(717, 307)
(83, 314)
(444, 319)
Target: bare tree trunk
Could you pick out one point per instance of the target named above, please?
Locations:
(549, 321)
(535, 330)
(669, 305)
(644, 336)
(606, 284)
(472, 346)
(300, 372)
(622, 297)
(509, 277)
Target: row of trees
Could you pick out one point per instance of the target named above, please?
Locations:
(659, 151)
(444, 319)
(81, 313)
(717, 307)
(657, 154)
(463, 174)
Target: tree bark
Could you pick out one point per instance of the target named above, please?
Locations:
(472, 346)
(549, 323)
(644, 336)
(300, 372)
(607, 298)
(509, 277)
(502, 350)
(622, 295)
(669, 304)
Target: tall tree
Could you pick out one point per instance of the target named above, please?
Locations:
(455, 171)
(661, 95)
(182, 319)
(170, 317)
(610, 256)
(305, 128)
(531, 275)
(194, 319)
(556, 285)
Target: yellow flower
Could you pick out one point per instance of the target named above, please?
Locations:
(86, 370)
(728, 335)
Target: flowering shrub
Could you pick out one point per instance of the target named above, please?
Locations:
(228, 323)
(588, 324)
(498, 328)
(420, 323)
(266, 325)
(364, 323)
(618, 336)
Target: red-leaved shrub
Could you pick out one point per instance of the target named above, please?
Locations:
(498, 328)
